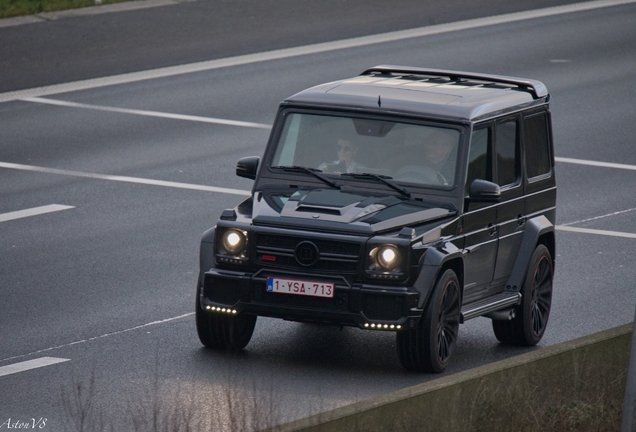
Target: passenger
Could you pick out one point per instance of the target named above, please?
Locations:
(439, 152)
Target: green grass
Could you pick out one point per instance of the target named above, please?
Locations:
(12, 8)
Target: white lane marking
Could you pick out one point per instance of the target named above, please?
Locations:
(101, 336)
(595, 163)
(595, 231)
(33, 212)
(600, 217)
(309, 49)
(148, 113)
(30, 364)
(204, 188)
(125, 179)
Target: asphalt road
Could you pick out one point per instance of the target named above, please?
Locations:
(144, 165)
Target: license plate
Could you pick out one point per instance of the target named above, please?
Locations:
(300, 287)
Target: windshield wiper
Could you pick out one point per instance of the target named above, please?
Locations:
(383, 178)
(312, 171)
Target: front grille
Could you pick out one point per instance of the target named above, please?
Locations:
(383, 307)
(224, 291)
(334, 256)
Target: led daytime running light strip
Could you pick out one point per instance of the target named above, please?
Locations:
(382, 326)
(218, 309)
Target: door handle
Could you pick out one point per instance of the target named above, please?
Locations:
(492, 229)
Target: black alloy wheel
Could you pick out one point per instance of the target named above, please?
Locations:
(429, 347)
(531, 318)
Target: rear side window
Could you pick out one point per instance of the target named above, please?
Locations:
(537, 145)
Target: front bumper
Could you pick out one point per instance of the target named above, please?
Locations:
(358, 305)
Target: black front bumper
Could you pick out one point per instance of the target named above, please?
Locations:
(359, 305)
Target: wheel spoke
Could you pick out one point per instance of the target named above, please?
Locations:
(538, 318)
(543, 275)
(444, 345)
(543, 303)
(448, 321)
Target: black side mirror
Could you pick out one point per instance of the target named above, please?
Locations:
(247, 167)
(484, 191)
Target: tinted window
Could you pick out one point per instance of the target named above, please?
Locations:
(537, 145)
(413, 153)
(479, 157)
(507, 153)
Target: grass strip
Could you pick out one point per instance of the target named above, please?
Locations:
(12, 8)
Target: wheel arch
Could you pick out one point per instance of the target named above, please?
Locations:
(436, 262)
(538, 231)
(206, 253)
(547, 239)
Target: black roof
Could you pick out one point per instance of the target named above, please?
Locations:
(434, 93)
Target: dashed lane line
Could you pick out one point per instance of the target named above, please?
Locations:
(33, 212)
(115, 333)
(595, 218)
(30, 364)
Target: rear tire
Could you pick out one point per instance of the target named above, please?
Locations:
(231, 332)
(429, 347)
(531, 318)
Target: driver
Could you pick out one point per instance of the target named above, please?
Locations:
(345, 162)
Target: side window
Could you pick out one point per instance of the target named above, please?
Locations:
(507, 144)
(479, 165)
(537, 145)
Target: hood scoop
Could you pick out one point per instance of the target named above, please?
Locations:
(320, 210)
(347, 212)
(331, 205)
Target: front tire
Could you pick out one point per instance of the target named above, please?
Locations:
(430, 346)
(531, 318)
(230, 332)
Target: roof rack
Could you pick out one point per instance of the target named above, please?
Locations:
(536, 88)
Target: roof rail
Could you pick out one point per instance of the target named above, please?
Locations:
(536, 88)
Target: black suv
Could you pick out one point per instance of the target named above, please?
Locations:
(406, 200)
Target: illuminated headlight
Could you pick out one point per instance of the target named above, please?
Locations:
(234, 242)
(386, 257)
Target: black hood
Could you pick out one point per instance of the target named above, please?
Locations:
(337, 211)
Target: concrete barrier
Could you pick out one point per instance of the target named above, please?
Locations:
(580, 380)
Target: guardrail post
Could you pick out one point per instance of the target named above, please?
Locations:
(629, 404)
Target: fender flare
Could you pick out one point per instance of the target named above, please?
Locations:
(535, 229)
(206, 253)
(434, 261)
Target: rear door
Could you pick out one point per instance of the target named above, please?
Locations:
(511, 208)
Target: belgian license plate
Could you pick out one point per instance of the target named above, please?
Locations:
(300, 287)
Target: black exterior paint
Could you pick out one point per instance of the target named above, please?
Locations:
(487, 241)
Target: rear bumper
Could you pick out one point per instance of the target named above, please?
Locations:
(358, 305)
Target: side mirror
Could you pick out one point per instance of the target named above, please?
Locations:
(484, 191)
(247, 167)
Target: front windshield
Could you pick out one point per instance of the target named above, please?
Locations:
(411, 153)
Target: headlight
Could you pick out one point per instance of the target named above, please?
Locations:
(234, 242)
(386, 257)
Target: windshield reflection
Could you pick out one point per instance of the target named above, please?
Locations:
(411, 153)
